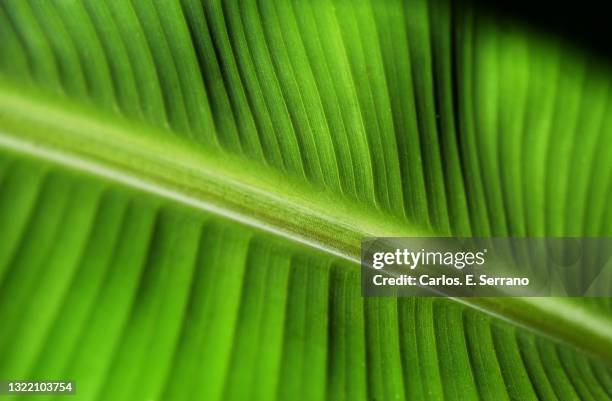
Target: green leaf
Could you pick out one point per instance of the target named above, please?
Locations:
(184, 186)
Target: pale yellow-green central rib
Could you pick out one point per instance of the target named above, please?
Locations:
(164, 164)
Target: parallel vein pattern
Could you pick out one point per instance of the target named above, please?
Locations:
(461, 122)
(136, 298)
(434, 113)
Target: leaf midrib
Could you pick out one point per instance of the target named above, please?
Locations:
(162, 163)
